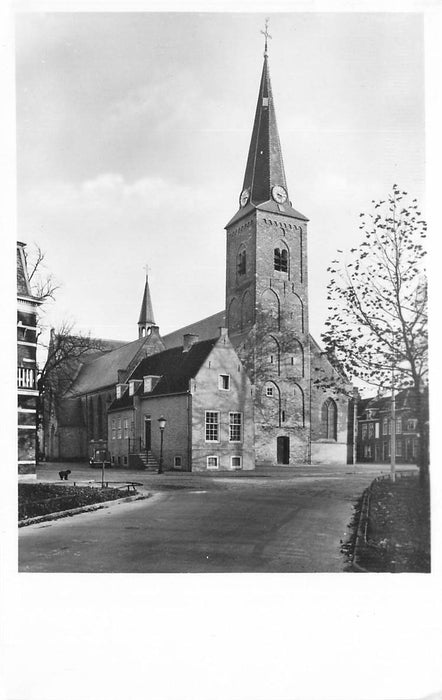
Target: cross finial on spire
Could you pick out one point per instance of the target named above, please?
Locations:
(146, 269)
(267, 35)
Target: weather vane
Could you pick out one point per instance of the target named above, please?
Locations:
(146, 268)
(267, 35)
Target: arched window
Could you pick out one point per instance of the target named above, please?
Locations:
(99, 418)
(271, 404)
(270, 308)
(272, 353)
(246, 309)
(234, 315)
(297, 359)
(91, 419)
(329, 416)
(281, 259)
(241, 262)
(299, 414)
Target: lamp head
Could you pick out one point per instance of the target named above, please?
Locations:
(162, 422)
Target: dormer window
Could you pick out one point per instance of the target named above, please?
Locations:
(120, 390)
(149, 382)
(131, 388)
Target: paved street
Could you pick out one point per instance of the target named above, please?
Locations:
(271, 520)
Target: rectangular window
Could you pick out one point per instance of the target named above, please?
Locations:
(124, 459)
(414, 448)
(399, 424)
(269, 391)
(119, 429)
(224, 382)
(411, 424)
(370, 430)
(398, 448)
(212, 462)
(385, 426)
(364, 431)
(235, 427)
(114, 432)
(131, 388)
(376, 430)
(126, 428)
(212, 426)
(177, 462)
(147, 385)
(236, 462)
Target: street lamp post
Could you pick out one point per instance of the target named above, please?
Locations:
(393, 429)
(162, 423)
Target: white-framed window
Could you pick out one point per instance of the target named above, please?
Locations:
(236, 462)
(364, 431)
(177, 461)
(126, 428)
(114, 431)
(131, 388)
(212, 426)
(269, 391)
(399, 424)
(385, 426)
(118, 391)
(119, 429)
(376, 430)
(212, 462)
(370, 430)
(367, 451)
(411, 424)
(147, 384)
(235, 427)
(224, 382)
(398, 448)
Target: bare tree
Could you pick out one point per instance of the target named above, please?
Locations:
(377, 324)
(65, 349)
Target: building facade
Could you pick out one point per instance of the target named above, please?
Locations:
(375, 429)
(27, 399)
(203, 391)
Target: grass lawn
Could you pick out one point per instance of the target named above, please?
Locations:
(42, 499)
(398, 532)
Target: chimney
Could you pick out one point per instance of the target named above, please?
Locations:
(189, 339)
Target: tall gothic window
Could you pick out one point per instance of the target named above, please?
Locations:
(99, 418)
(242, 262)
(329, 415)
(280, 259)
(91, 419)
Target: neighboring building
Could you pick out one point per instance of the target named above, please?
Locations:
(77, 404)
(375, 428)
(27, 308)
(267, 318)
(203, 391)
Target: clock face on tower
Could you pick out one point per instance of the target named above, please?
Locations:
(244, 198)
(279, 194)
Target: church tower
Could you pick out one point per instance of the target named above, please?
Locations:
(267, 293)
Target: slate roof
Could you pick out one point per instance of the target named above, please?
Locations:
(404, 399)
(102, 371)
(175, 368)
(204, 329)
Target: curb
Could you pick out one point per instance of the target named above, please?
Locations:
(361, 533)
(82, 509)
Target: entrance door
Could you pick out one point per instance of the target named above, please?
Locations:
(283, 449)
(147, 433)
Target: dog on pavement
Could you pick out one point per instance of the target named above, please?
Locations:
(64, 474)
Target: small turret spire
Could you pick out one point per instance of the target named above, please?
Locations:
(146, 320)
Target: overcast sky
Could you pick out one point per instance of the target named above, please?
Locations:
(133, 132)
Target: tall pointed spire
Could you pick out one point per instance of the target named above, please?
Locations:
(265, 185)
(146, 319)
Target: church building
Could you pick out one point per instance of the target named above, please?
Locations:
(266, 315)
